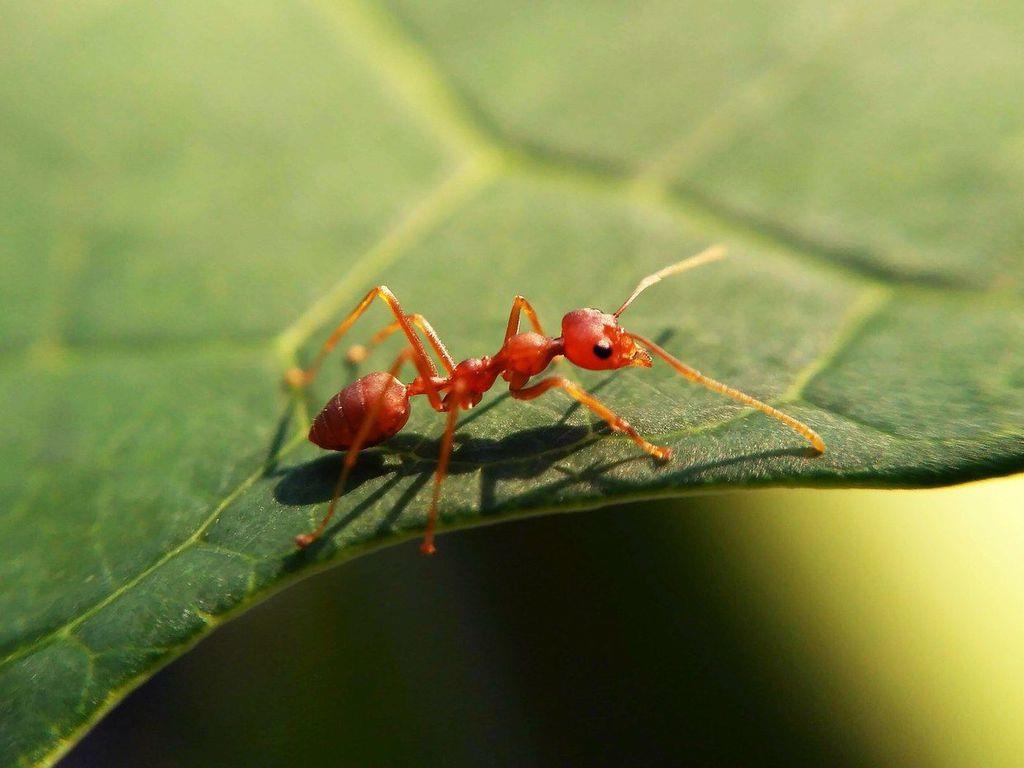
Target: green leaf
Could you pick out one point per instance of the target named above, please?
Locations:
(196, 190)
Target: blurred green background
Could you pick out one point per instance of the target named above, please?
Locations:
(841, 628)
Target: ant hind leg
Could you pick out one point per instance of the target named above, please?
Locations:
(298, 377)
(303, 540)
(358, 352)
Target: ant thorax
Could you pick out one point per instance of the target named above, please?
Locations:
(527, 354)
(470, 380)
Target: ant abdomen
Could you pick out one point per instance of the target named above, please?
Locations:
(335, 427)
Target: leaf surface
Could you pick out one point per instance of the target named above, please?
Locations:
(195, 191)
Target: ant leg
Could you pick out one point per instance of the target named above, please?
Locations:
(303, 540)
(424, 365)
(579, 394)
(520, 304)
(357, 352)
(427, 547)
(693, 375)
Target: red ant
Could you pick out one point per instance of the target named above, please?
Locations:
(376, 407)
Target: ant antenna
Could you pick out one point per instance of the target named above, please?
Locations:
(714, 253)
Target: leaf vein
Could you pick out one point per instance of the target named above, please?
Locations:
(194, 538)
(385, 41)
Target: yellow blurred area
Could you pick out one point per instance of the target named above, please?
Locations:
(755, 628)
(912, 602)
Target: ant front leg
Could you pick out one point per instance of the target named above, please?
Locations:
(357, 352)
(298, 377)
(520, 304)
(716, 386)
(583, 397)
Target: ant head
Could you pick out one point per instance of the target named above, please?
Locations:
(594, 340)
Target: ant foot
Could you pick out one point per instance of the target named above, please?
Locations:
(356, 353)
(303, 540)
(427, 548)
(296, 377)
(661, 453)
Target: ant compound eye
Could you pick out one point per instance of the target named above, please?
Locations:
(603, 349)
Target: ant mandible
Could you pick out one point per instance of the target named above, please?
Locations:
(376, 406)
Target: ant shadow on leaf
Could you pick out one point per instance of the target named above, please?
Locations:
(515, 457)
